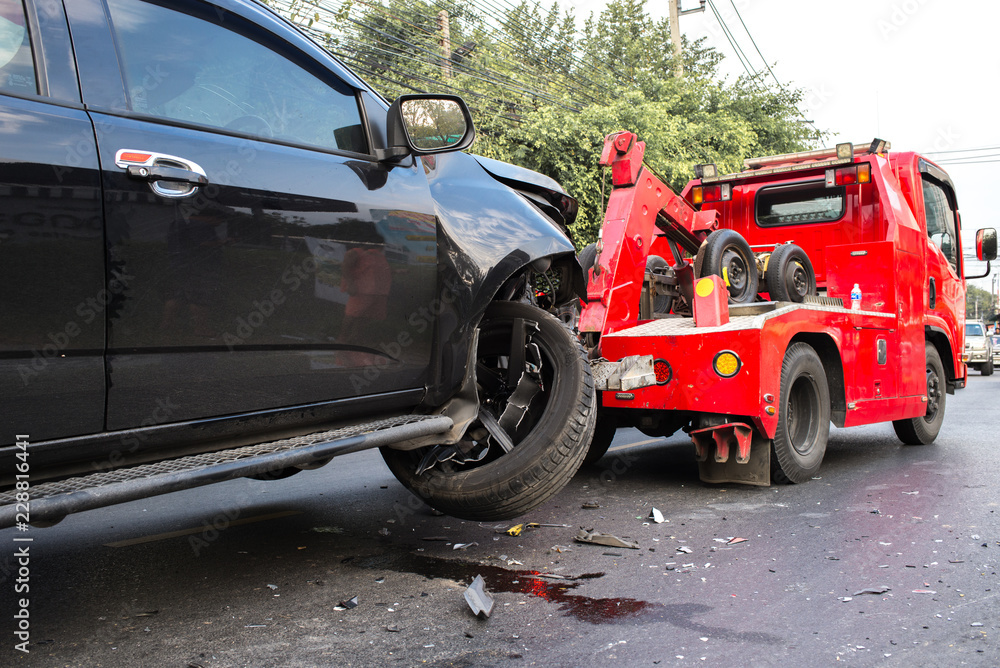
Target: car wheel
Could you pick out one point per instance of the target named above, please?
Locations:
(988, 368)
(544, 407)
(803, 416)
(924, 429)
(727, 254)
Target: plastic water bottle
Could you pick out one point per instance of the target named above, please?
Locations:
(856, 297)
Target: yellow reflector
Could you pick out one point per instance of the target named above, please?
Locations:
(705, 287)
(697, 195)
(726, 364)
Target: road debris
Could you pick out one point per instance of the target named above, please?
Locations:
(478, 598)
(872, 590)
(337, 530)
(598, 538)
(272, 587)
(590, 505)
(392, 628)
(463, 546)
(684, 548)
(924, 591)
(845, 599)
(515, 530)
(349, 604)
(736, 541)
(655, 516)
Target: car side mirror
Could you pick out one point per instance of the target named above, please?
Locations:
(986, 248)
(427, 124)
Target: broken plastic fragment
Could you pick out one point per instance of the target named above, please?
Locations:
(272, 587)
(597, 538)
(734, 541)
(685, 549)
(872, 590)
(655, 516)
(924, 591)
(845, 599)
(515, 530)
(463, 546)
(392, 628)
(348, 604)
(478, 598)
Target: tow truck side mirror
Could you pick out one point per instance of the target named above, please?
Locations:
(986, 248)
(427, 124)
(986, 244)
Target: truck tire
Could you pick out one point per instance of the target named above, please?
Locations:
(727, 254)
(604, 434)
(789, 276)
(924, 429)
(988, 368)
(551, 439)
(803, 417)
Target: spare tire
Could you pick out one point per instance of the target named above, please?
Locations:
(727, 254)
(789, 276)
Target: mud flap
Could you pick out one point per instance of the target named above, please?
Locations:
(732, 453)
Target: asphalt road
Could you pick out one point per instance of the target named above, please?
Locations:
(250, 573)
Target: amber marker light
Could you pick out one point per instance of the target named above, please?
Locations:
(727, 364)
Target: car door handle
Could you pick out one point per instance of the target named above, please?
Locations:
(161, 173)
(167, 175)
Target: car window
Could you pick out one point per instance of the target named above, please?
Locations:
(17, 65)
(190, 69)
(795, 204)
(940, 221)
(973, 329)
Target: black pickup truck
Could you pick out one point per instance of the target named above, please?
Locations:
(224, 255)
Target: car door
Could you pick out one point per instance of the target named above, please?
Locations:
(52, 327)
(271, 261)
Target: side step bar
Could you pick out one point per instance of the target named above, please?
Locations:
(51, 501)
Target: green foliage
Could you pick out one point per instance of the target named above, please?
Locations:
(544, 94)
(979, 301)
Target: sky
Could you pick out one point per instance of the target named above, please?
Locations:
(920, 73)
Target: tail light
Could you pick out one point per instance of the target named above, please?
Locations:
(847, 176)
(722, 192)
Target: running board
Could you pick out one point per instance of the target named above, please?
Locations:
(51, 501)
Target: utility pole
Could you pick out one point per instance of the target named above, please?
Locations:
(445, 29)
(675, 31)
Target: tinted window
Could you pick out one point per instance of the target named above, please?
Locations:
(941, 221)
(17, 66)
(973, 329)
(187, 69)
(799, 203)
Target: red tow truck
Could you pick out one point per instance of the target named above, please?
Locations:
(727, 310)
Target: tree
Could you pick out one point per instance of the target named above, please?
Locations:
(979, 304)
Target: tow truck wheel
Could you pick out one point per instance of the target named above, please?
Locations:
(789, 276)
(604, 434)
(803, 416)
(727, 254)
(924, 429)
(537, 412)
